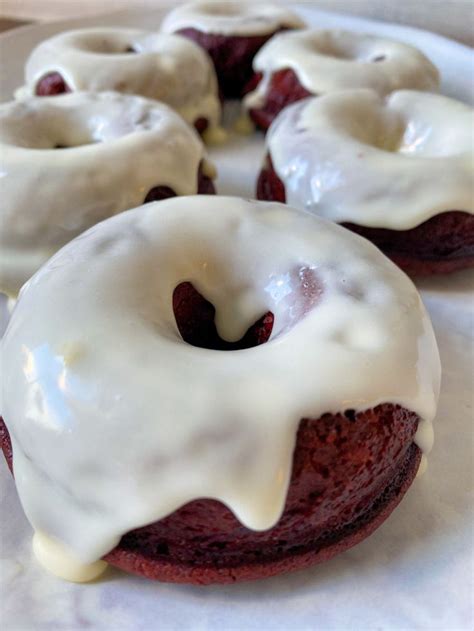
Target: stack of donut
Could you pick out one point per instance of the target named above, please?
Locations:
(209, 389)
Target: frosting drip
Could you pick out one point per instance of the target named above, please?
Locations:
(115, 421)
(117, 147)
(231, 18)
(58, 560)
(413, 161)
(167, 68)
(327, 61)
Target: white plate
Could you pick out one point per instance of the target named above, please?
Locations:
(416, 571)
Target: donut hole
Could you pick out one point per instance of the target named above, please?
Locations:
(385, 131)
(82, 144)
(103, 44)
(391, 125)
(350, 118)
(47, 131)
(74, 144)
(329, 47)
(394, 132)
(337, 46)
(226, 9)
(290, 297)
(195, 319)
(61, 124)
(345, 47)
(51, 84)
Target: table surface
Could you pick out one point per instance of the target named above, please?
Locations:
(6, 24)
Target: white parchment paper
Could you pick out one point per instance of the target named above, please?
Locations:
(415, 572)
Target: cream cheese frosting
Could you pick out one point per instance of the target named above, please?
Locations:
(167, 68)
(231, 18)
(118, 147)
(391, 162)
(329, 60)
(116, 422)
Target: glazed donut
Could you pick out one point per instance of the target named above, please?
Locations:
(405, 181)
(295, 65)
(70, 161)
(232, 33)
(163, 67)
(201, 339)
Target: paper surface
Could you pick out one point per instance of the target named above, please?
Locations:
(415, 572)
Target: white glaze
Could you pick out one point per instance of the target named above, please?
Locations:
(423, 466)
(58, 560)
(326, 61)
(167, 68)
(120, 146)
(393, 163)
(231, 18)
(116, 422)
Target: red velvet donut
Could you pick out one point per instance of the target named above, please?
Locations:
(232, 56)
(350, 470)
(284, 89)
(349, 473)
(442, 244)
(313, 62)
(231, 33)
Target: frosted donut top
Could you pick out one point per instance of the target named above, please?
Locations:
(167, 68)
(392, 163)
(329, 60)
(118, 148)
(231, 18)
(116, 421)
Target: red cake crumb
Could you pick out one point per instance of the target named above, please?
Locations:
(284, 89)
(195, 319)
(232, 56)
(440, 245)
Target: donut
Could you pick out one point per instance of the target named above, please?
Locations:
(72, 160)
(158, 66)
(232, 33)
(236, 389)
(298, 64)
(405, 181)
